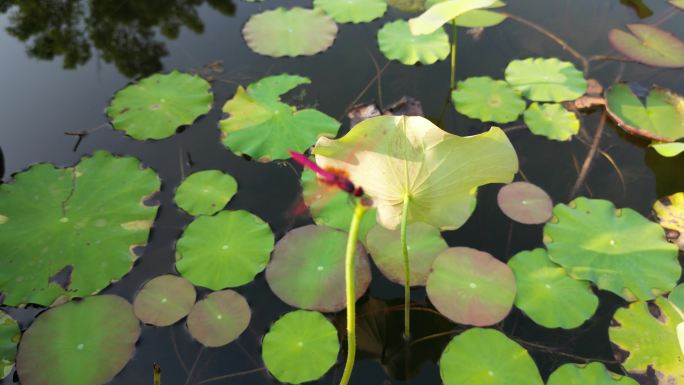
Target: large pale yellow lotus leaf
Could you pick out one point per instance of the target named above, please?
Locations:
(439, 14)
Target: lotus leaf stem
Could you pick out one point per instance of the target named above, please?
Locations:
(156, 370)
(407, 269)
(454, 36)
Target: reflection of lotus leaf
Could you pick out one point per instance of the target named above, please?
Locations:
(647, 333)
(300, 347)
(546, 80)
(594, 373)
(649, 45)
(263, 127)
(219, 318)
(354, 11)
(164, 300)
(486, 356)
(547, 294)
(525, 203)
(80, 223)
(551, 120)
(79, 343)
(488, 100)
(394, 156)
(156, 106)
(397, 43)
(9, 336)
(439, 14)
(670, 215)
(205, 192)
(617, 249)
(477, 17)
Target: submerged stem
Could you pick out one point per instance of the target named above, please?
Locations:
(349, 270)
(407, 269)
(454, 35)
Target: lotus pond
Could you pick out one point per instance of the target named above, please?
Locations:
(342, 192)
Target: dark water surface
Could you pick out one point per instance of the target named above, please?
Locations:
(62, 61)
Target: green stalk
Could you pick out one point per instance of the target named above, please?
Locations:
(407, 269)
(156, 369)
(349, 279)
(454, 36)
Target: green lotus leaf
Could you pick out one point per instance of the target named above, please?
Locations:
(205, 192)
(394, 156)
(645, 339)
(594, 373)
(79, 343)
(330, 206)
(617, 249)
(547, 294)
(649, 45)
(487, 357)
(662, 118)
(307, 269)
(677, 3)
(439, 14)
(478, 17)
(676, 296)
(668, 150)
(525, 203)
(424, 242)
(290, 32)
(300, 347)
(408, 6)
(81, 221)
(219, 319)
(164, 300)
(471, 287)
(487, 99)
(546, 80)
(9, 337)
(264, 128)
(670, 214)
(225, 250)
(397, 43)
(156, 106)
(551, 120)
(352, 11)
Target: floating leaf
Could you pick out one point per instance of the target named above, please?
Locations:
(164, 300)
(424, 242)
(391, 157)
(439, 14)
(486, 356)
(668, 149)
(546, 80)
(9, 337)
(397, 43)
(354, 11)
(79, 343)
(225, 250)
(617, 249)
(290, 32)
(487, 99)
(205, 192)
(156, 106)
(547, 294)
(677, 3)
(525, 203)
(471, 287)
(662, 118)
(301, 346)
(408, 6)
(594, 373)
(478, 18)
(307, 269)
(551, 120)
(81, 221)
(644, 336)
(649, 45)
(263, 127)
(670, 214)
(219, 318)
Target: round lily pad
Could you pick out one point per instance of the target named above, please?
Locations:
(424, 243)
(79, 343)
(551, 120)
(649, 45)
(156, 106)
(205, 192)
(546, 80)
(397, 43)
(617, 249)
(525, 203)
(594, 373)
(471, 287)
(290, 32)
(644, 337)
(670, 214)
(225, 250)
(263, 127)
(488, 100)
(164, 300)
(547, 294)
(307, 269)
(486, 356)
(300, 347)
(352, 11)
(81, 221)
(219, 318)
(9, 337)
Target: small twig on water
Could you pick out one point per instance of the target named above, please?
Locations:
(556, 351)
(364, 90)
(82, 134)
(175, 349)
(232, 375)
(379, 82)
(584, 171)
(194, 365)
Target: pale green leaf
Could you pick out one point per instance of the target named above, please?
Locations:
(438, 15)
